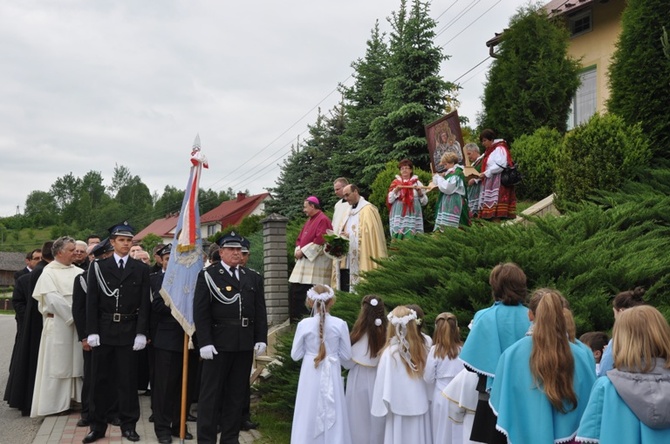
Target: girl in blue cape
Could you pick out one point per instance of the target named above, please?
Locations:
(631, 404)
(492, 330)
(543, 381)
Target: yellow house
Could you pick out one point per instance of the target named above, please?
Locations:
(594, 27)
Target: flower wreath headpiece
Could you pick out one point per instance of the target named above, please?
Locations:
(325, 296)
(394, 320)
(400, 325)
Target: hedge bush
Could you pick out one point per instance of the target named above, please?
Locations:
(537, 156)
(600, 155)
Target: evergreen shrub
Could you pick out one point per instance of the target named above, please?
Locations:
(537, 156)
(613, 241)
(600, 155)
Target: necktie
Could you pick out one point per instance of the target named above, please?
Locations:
(232, 272)
(121, 264)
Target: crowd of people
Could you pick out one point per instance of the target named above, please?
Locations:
(520, 377)
(461, 198)
(93, 330)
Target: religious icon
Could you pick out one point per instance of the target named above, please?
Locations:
(444, 135)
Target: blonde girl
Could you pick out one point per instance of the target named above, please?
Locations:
(368, 338)
(321, 341)
(400, 394)
(442, 366)
(631, 403)
(542, 382)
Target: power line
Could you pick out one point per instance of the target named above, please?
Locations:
(471, 23)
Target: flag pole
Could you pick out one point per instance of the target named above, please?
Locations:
(184, 391)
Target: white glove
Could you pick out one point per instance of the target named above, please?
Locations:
(93, 340)
(140, 342)
(260, 347)
(208, 352)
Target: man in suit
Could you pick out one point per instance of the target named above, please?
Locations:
(32, 259)
(117, 315)
(168, 343)
(101, 250)
(231, 323)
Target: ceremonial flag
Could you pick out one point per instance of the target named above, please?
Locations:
(186, 258)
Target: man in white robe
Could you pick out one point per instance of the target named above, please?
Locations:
(60, 363)
(341, 208)
(363, 226)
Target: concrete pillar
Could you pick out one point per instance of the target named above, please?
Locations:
(275, 267)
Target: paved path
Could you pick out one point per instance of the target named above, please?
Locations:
(62, 429)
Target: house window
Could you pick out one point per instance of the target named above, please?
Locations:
(211, 229)
(584, 102)
(580, 23)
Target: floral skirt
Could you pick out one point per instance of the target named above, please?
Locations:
(451, 211)
(406, 226)
(495, 200)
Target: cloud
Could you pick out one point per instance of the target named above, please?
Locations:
(87, 85)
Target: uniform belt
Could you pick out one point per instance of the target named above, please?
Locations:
(118, 317)
(243, 322)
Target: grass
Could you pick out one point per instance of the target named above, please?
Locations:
(25, 239)
(274, 427)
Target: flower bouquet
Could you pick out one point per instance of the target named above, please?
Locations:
(336, 246)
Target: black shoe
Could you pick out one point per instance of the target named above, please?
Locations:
(191, 418)
(248, 425)
(93, 436)
(130, 435)
(165, 439)
(187, 435)
(82, 422)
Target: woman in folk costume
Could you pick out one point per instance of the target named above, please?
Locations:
(400, 394)
(492, 330)
(496, 200)
(631, 404)
(452, 205)
(442, 366)
(543, 381)
(474, 185)
(404, 201)
(368, 338)
(322, 342)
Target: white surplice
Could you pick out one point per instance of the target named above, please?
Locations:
(365, 428)
(60, 364)
(402, 400)
(439, 373)
(320, 414)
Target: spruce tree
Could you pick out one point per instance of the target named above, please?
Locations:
(362, 104)
(413, 95)
(639, 73)
(532, 81)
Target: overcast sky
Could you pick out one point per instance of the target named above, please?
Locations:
(89, 84)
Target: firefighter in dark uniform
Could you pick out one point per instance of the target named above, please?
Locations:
(231, 324)
(247, 423)
(168, 344)
(101, 250)
(117, 315)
